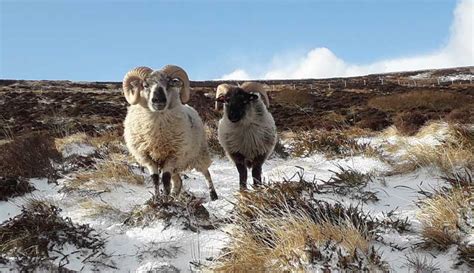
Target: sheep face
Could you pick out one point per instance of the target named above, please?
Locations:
(236, 102)
(161, 92)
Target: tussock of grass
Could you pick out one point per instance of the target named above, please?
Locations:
(446, 157)
(14, 186)
(39, 234)
(460, 179)
(296, 242)
(283, 227)
(442, 217)
(109, 141)
(455, 150)
(432, 129)
(331, 143)
(185, 208)
(417, 263)
(29, 156)
(61, 143)
(99, 209)
(352, 183)
(113, 169)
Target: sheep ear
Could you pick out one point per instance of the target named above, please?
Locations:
(219, 103)
(221, 99)
(138, 84)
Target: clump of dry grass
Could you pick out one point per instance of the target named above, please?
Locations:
(114, 168)
(14, 186)
(110, 141)
(283, 227)
(296, 243)
(29, 156)
(96, 209)
(454, 150)
(457, 151)
(107, 142)
(442, 217)
(332, 143)
(39, 234)
(61, 143)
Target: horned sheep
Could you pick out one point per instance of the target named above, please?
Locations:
(162, 132)
(246, 131)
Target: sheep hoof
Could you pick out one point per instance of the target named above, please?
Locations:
(213, 194)
(243, 188)
(167, 199)
(156, 198)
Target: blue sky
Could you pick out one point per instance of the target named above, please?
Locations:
(102, 40)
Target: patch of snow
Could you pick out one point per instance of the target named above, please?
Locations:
(77, 149)
(161, 247)
(44, 190)
(421, 76)
(458, 77)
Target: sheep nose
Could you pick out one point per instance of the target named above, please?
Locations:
(159, 96)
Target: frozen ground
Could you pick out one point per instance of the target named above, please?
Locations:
(159, 246)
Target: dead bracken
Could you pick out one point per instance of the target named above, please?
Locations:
(14, 186)
(39, 235)
(186, 210)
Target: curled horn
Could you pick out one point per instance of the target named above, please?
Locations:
(222, 89)
(174, 71)
(257, 87)
(132, 83)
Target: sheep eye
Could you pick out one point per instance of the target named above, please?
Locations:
(145, 84)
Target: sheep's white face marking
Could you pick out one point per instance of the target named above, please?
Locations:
(160, 91)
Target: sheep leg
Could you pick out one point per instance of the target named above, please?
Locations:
(242, 175)
(257, 170)
(177, 184)
(156, 181)
(239, 161)
(155, 176)
(210, 185)
(166, 182)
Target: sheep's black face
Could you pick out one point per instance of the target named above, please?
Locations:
(158, 100)
(237, 102)
(156, 91)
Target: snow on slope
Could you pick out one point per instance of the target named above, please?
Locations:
(160, 247)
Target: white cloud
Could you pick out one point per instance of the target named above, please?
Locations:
(238, 74)
(323, 63)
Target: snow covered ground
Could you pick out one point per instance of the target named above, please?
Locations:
(161, 247)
